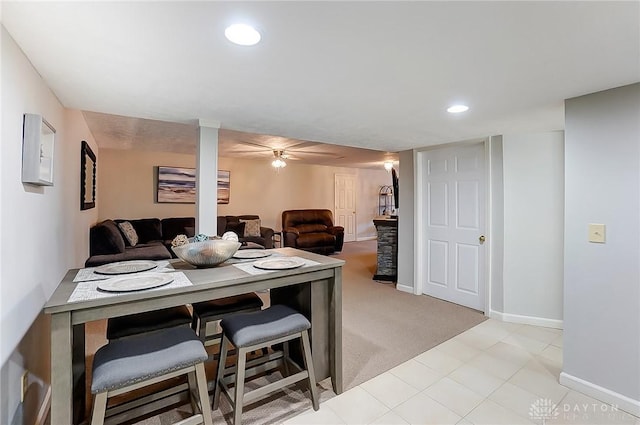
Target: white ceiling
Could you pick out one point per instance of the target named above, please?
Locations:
(375, 75)
(118, 132)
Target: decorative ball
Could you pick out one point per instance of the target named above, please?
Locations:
(180, 240)
(230, 236)
(200, 237)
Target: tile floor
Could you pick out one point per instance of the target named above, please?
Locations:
(494, 373)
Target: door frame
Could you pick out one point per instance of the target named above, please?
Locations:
(420, 272)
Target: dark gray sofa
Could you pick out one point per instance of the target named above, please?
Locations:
(107, 243)
(232, 223)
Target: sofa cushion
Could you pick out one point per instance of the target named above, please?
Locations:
(174, 226)
(106, 239)
(149, 251)
(129, 233)
(148, 229)
(251, 228)
(236, 227)
(310, 228)
(256, 240)
(221, 225)
(309, 240)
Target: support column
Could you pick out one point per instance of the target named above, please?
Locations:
(207, 178)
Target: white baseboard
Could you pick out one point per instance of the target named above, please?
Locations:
(527, 320)
(404, 288)
(603, 394)
(366, 238)
(44, 408)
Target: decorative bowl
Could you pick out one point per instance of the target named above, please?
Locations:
(206, 253)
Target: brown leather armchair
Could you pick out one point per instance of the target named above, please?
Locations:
(312, 230)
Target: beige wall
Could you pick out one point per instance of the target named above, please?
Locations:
(126, 184)
(126, 188)
(43, 232)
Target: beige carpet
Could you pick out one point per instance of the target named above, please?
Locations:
(382, 327)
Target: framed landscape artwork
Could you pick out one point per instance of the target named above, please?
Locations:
(178, 185)
(223, 186)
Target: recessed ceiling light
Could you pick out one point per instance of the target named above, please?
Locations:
(456, 109)
(242, 34)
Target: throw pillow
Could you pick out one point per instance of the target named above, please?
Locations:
(251, 228)
(235, 227)
(129, 232)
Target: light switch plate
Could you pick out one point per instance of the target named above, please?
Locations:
(597, 233)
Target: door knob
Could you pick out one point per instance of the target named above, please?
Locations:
(482, 239)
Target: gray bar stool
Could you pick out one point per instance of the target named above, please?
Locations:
(126, 364)
(215, 310)
(248, 332)
(133, 324)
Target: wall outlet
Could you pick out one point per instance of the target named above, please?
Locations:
(24, 384)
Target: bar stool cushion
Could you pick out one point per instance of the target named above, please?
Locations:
(124, 362)
(223, 306)
(118, 327)
(266, 325)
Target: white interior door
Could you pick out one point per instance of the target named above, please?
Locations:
(345, 212)
(454, 209)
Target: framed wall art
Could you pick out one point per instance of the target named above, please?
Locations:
(224, 186)
(38, 142)
(178, 185)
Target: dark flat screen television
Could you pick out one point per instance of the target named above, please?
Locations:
(394, 180)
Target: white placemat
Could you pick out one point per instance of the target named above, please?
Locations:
(88, 274)
(248, 266)
(86, 291)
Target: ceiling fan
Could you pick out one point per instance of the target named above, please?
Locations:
(283, 149)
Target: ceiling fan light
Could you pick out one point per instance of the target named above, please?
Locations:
(278, 163)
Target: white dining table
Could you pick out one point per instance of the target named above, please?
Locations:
(314, 289)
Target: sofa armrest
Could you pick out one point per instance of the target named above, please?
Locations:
(267, 234)
(290, 236)
(338, 232)
(334, 230)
